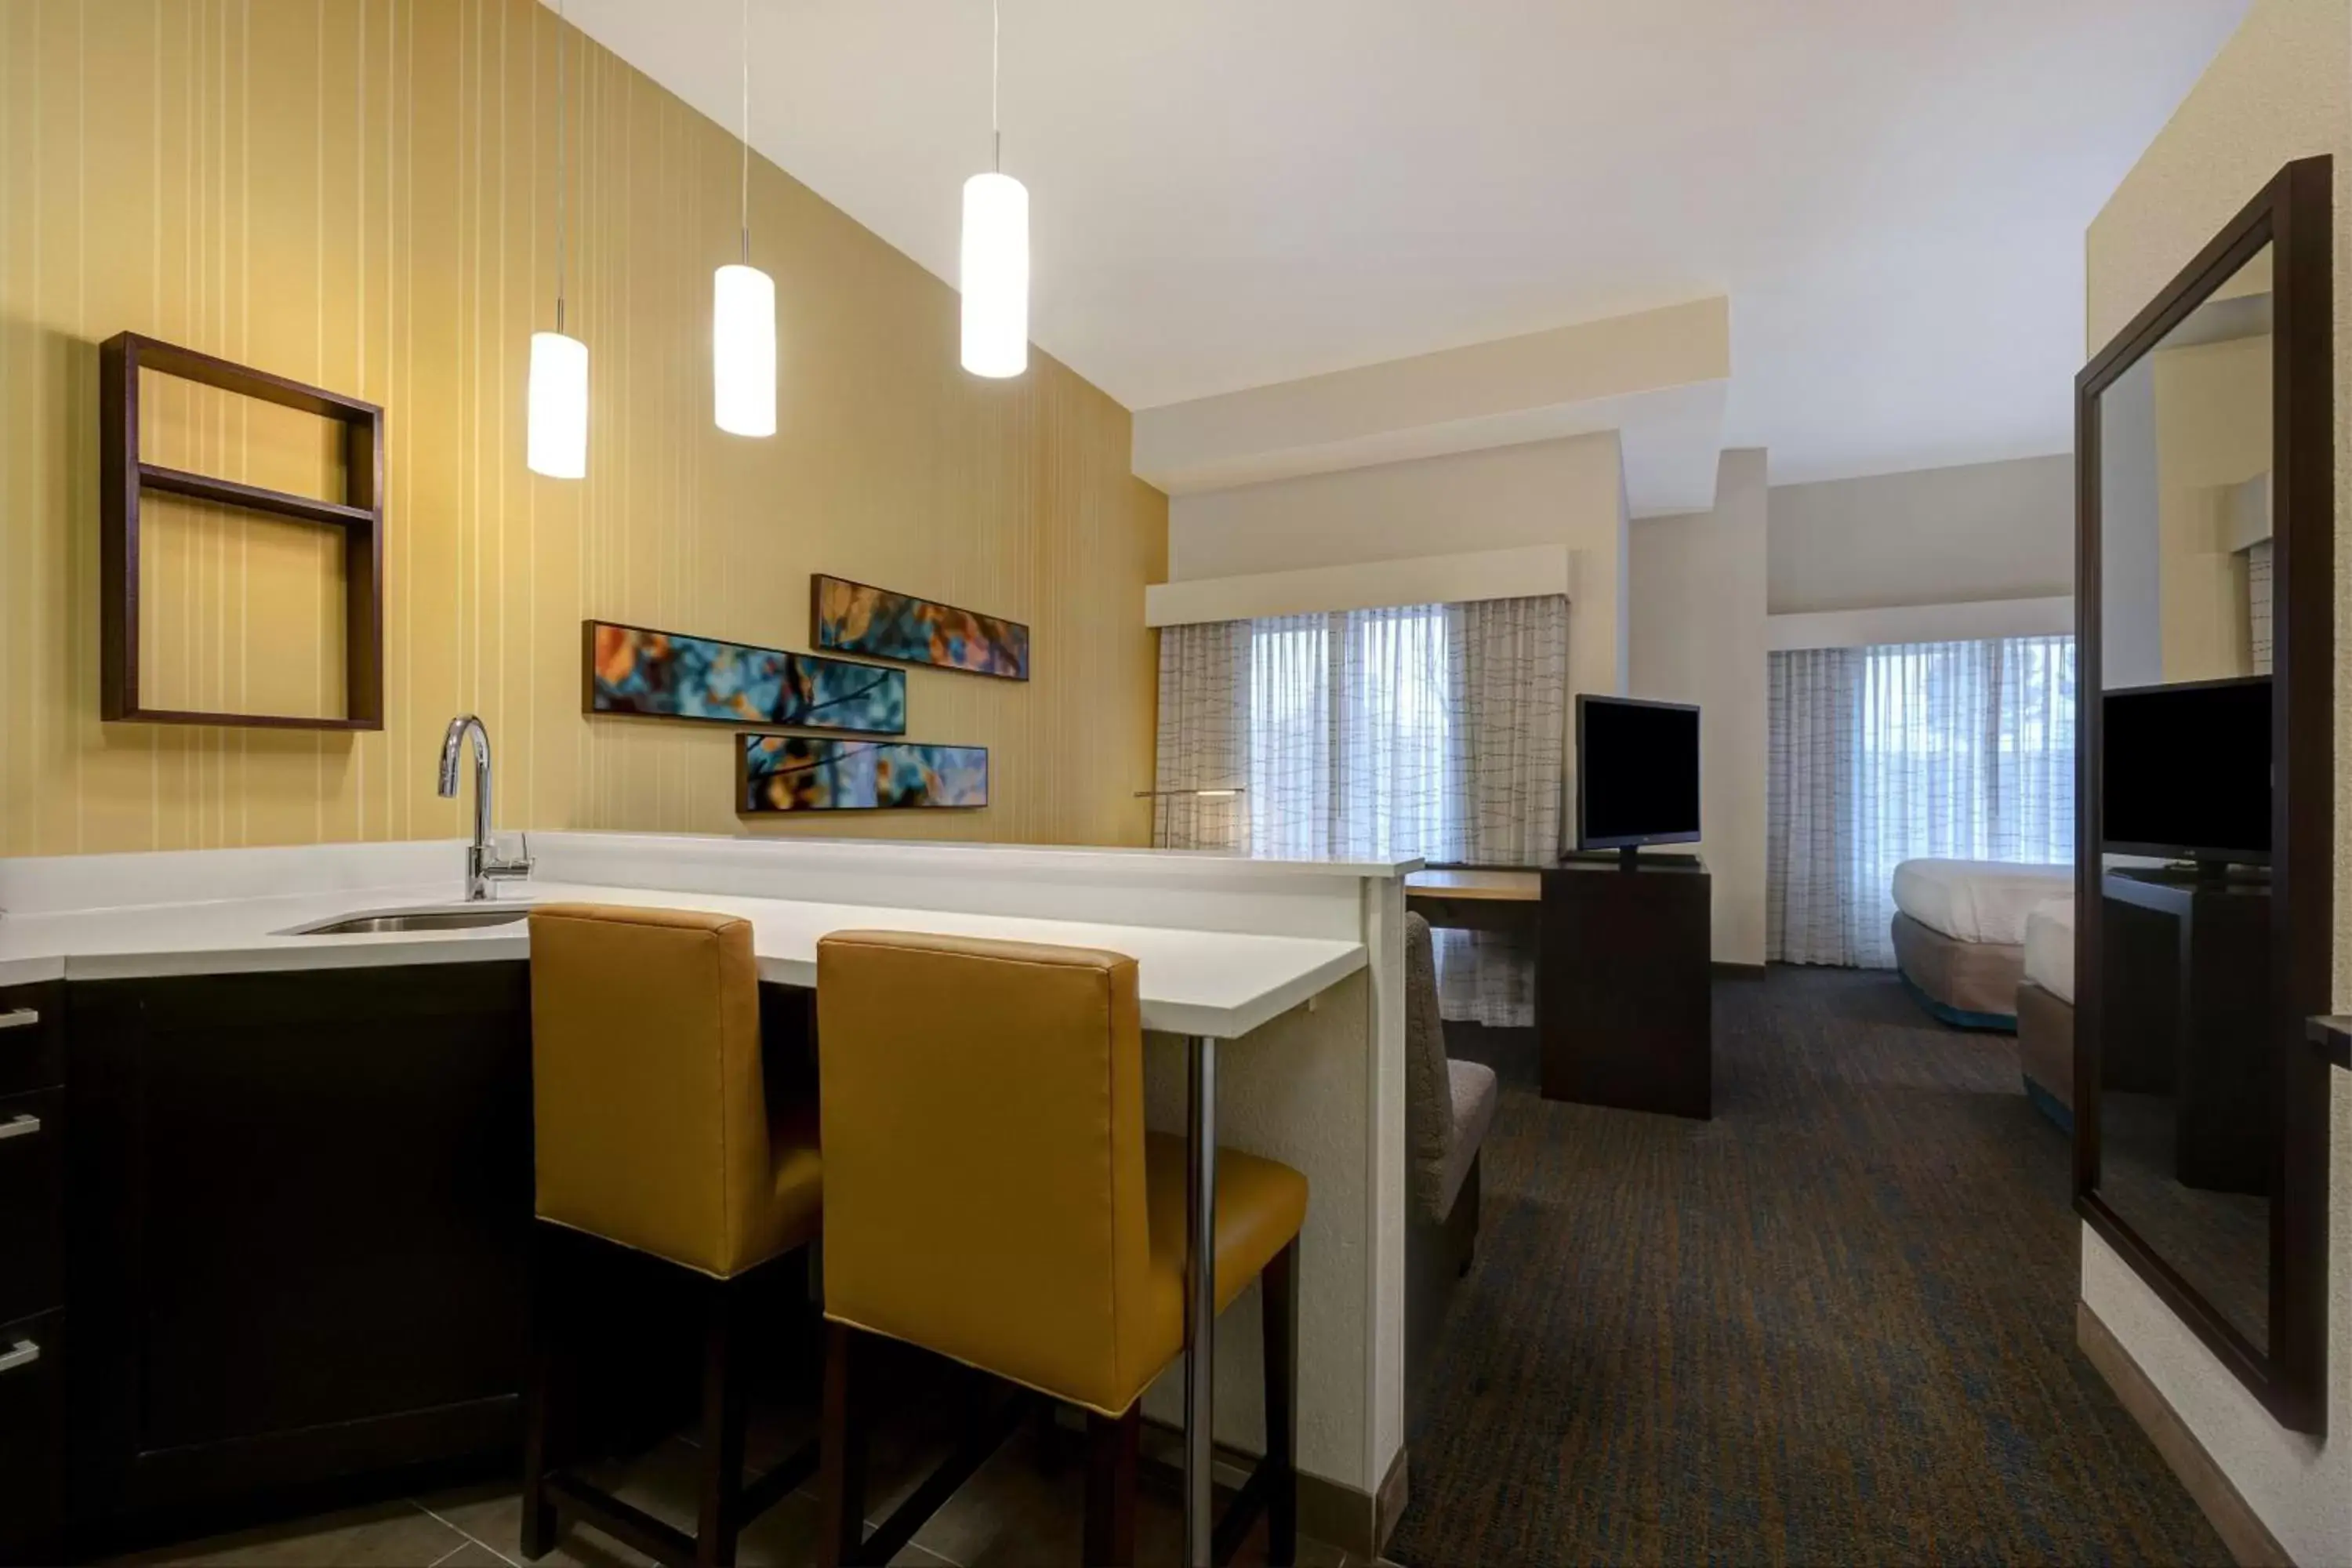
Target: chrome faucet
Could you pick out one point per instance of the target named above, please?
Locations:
(481, 867)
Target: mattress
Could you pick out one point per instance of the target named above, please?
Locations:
(2050, 948)
(1976, 901)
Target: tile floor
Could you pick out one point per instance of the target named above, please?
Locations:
(1025, 1506)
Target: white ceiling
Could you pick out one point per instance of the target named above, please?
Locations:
(1230, 193)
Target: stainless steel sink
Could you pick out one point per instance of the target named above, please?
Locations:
(414, 920)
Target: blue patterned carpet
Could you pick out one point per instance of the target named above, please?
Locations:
(1836, 1324)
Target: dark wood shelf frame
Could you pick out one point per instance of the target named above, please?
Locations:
(127, 477)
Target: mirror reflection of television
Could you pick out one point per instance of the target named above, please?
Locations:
(2185, 771)
(1636, 773)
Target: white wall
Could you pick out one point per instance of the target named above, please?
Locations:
(1698, 636)
(1568, 492)
(1982, 531)
(2276, 91)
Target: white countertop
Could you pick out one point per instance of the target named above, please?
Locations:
(1193, 982)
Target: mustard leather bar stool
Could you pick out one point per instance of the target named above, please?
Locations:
(653, 1131)
(991, 1196)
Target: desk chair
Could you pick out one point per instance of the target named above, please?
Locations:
(653, 1132)
(990, 1195)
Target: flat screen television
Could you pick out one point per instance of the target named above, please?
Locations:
(1636, 773)
(2185, 771)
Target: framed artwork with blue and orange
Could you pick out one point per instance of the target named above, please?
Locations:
(877, 623)
(668, 675)
(810, 773)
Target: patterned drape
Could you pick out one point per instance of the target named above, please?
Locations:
(1203, 736)
(1513, 656)
(1878, 756)
(1429, 730)
(2258, 606)
(1815, 706)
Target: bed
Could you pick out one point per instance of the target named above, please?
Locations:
(1960, 934)
(2045, 1010)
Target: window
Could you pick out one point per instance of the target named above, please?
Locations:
(1350, 736)
(1428, 729)
(1958, 750)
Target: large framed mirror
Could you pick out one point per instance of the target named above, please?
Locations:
(2205, 453)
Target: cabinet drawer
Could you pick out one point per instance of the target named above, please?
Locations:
(32, 1036)
(32, 1199)
(32, 1440)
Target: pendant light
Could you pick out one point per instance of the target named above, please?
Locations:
(557, 443)
(744, 312)
(995, 266)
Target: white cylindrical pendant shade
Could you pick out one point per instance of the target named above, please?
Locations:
(743, 351)
(995, 275)
(558, 443)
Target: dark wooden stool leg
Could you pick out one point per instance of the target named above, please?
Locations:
(722, 1431)
(841, 1490)
(539, 1396)
(1113, 1444)
(1279, 1312)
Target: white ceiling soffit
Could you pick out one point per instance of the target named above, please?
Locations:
(1657, 376)
(1228, 194)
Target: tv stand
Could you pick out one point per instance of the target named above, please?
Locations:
(1624, 1004)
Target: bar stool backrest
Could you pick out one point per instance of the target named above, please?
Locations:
(649, 1113)
(982, 1121)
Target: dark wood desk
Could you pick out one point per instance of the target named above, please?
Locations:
(2193, 1023)
(1476, 898)
(1625, 987)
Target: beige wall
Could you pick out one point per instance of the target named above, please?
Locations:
(1698, 636)
(1569, 493)
(2276, 91)
(1936, 536)
(2212, 434)
(362, 195)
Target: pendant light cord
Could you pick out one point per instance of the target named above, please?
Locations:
(747, 133)
(561, 146)
(995, 83)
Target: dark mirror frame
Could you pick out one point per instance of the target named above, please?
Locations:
(2293, 214)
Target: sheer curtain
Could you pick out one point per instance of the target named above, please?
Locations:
(1958, 750)
(1429, 730)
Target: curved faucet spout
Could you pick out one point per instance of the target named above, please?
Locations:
(454, 742)
(481, 867)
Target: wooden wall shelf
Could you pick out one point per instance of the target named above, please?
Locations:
(127, 477)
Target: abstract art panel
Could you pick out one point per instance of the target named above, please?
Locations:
(667, 676)
(851, 617)
(802, 773)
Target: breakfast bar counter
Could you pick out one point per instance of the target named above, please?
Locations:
(184, 968)
(1224, 984)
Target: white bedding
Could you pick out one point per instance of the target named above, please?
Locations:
(2050, 948)
(1976, 901)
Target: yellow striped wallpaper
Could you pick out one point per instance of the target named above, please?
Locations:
(361, 194)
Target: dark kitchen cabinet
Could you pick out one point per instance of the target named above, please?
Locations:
(298, 1209)
(32, 1459)
(32, 1273)
(32, 1202)
(32, 1036)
